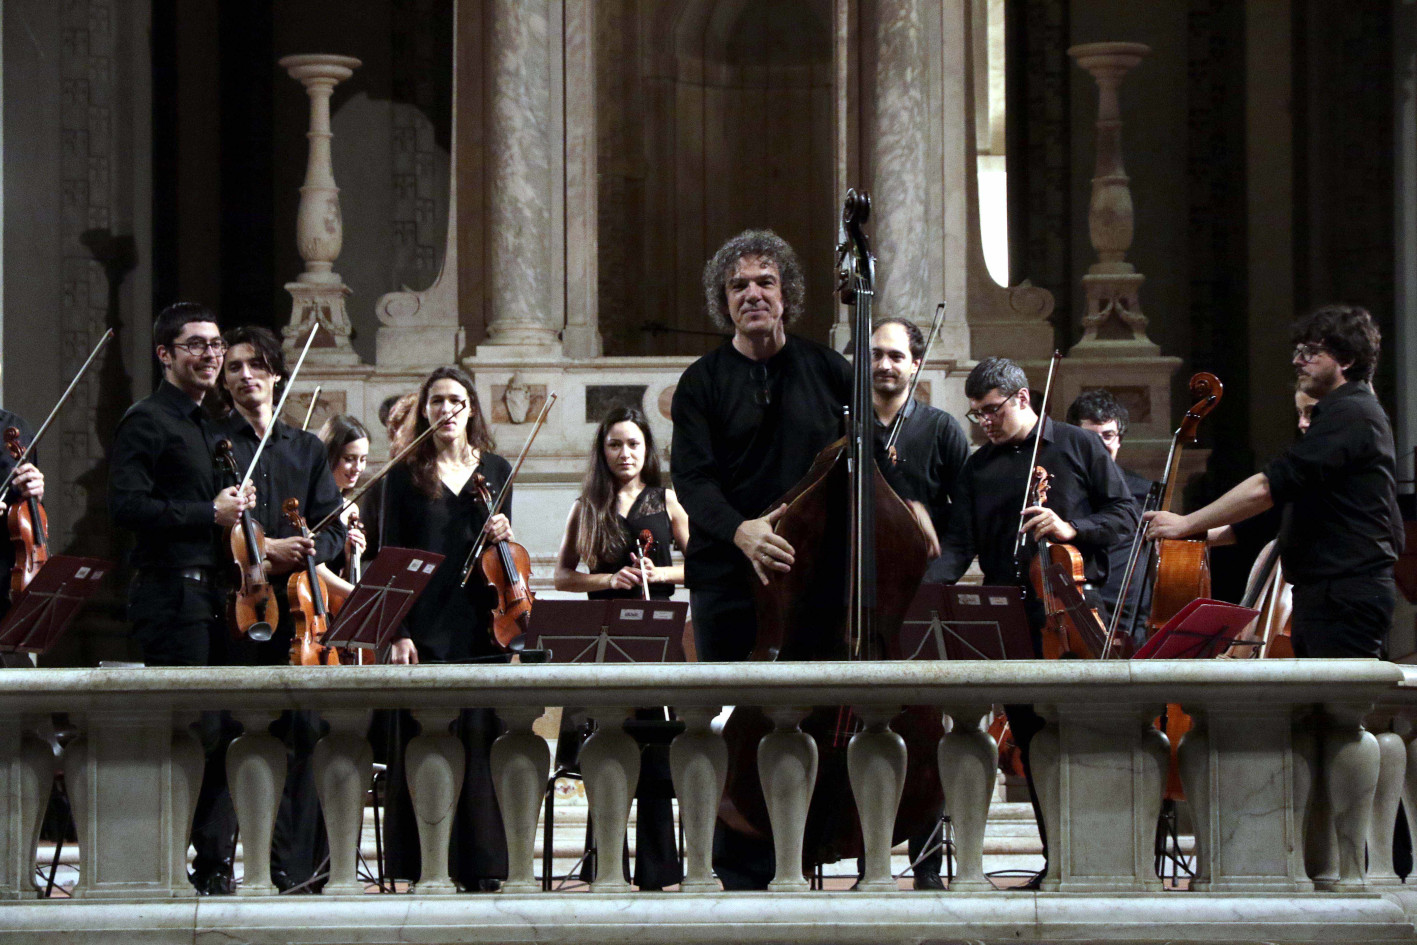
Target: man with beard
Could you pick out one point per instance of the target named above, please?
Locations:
(1341, 531)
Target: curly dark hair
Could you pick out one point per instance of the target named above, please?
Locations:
(1098, 406)
(990, 373)
(767, 246)
(1348, 332)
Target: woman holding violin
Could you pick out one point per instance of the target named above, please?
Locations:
(622, 527)
(28, 484)
(431, 502)
(346, 442)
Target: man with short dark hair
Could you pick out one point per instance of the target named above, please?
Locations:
(1340, 531)
(163, 487)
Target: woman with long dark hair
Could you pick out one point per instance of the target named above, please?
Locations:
(346, 442)
(430, 503)
(622, 496)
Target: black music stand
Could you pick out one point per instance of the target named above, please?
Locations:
(966, 622)
(1200, 630)
(382, 598)
(41, 612)
(605, 631)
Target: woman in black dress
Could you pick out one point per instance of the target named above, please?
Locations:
(430, 503)
(622, 497)
(346, 442)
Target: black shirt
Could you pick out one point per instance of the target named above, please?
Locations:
(1340, 486)
(162, 482)
(7, 463)
(648, 511)
(931, 449)
(449, 622)
(293, 466)
(744, 433)
(1087, 491)
(1139, 592)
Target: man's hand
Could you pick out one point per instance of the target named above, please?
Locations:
(29, 481)
(922, 518)
(1041, 522)
(403, 652)
(764, 548)
(1167, 525)
(229, 504)
(287, 554)
(498, 528)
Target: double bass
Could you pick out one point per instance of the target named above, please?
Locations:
(860, 557)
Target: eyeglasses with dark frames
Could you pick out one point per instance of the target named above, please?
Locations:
(980, 413)
(200, 347)
(1308, 354)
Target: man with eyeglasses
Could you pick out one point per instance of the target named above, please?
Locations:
(1340, 529)
(1088, 507)
(163, 487)
(1099, 412)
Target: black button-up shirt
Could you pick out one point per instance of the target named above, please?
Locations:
(293, 466)
(1087, 491)
(1340, 485)
(931, 449)
(162, 481)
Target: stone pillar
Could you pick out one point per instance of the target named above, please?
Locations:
(610, 765)
(1391, 771)
(875, 760)
(521, 760)
(900, 176)
(1351, 761)
(698, 762)
(255, 770)
(969, 760)
(582, 335)
(787, 767)
(434, 762)
(25, 779)
(519, 166)
(343, 762)
(1114, 319)
(319, 292)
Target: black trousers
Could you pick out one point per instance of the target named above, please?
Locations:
(177, 621)
(1344, 617)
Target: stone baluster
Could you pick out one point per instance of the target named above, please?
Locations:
(255, 771)
(1351, 760)
(610, 765)
(969, 759)
(1392, 764)
(188, 763)
(1044, 756)
(521, 761)
(875, 764)
(1318, 844)
(1409, 785)
(25, 780)
(787, 767)
(319, 293)
(698, 763)
(344, 765)
(519, 186)
(434, 762)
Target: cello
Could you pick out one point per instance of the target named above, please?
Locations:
(861, 555)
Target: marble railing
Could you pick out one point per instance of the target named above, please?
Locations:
(1276, 745)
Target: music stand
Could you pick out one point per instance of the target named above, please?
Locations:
(41, 612)
(1199, 630)
(609, 631)
(966, 622)
(382, 598)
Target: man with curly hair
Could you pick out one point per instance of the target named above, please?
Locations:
(748, 419)
(1340, 531)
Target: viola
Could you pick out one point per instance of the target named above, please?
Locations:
(644, 545)
(308, 594)
(29, 528)
(506, 566)
(253, 611)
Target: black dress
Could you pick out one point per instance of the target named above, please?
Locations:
(656, 852)
(448, 624)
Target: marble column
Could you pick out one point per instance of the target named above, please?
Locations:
(900, 186)
(519, 168)
(319, 293)
(969, 761)
(698, 762)
(255, 770)
(520, 762)
(875, 760)
(610, 765)
(787, 767)
(25, 780)
(343, 762)
(434, 763)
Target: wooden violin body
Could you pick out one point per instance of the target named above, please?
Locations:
(506, 567)
(29, 528)
(254, 610)
(308, 595)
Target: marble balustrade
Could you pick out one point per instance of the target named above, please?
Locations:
(1280, 773)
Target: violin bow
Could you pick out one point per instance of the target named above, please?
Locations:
(1033, 460)
(275, 417)
(383, 471)
(5, 484)
(314, 399)
(899, 420)
(502, 493)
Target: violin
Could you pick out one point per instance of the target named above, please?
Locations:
(308, 593)
(506, 566)
(644, 545)
(29, 528)
(355, 564)
(254, 611)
